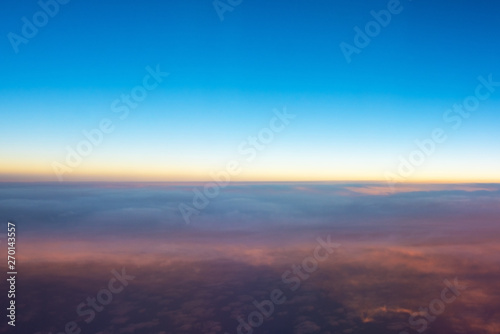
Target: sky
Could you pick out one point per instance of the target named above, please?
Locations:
(228, 78)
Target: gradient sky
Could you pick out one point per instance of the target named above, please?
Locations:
(353, 121)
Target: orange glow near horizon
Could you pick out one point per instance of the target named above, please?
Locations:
(101, 169)
(27, 174)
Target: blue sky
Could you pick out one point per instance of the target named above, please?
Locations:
(227, 76)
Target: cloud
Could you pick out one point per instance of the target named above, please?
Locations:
(396, 250)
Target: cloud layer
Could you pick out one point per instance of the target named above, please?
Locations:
(396, 251)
